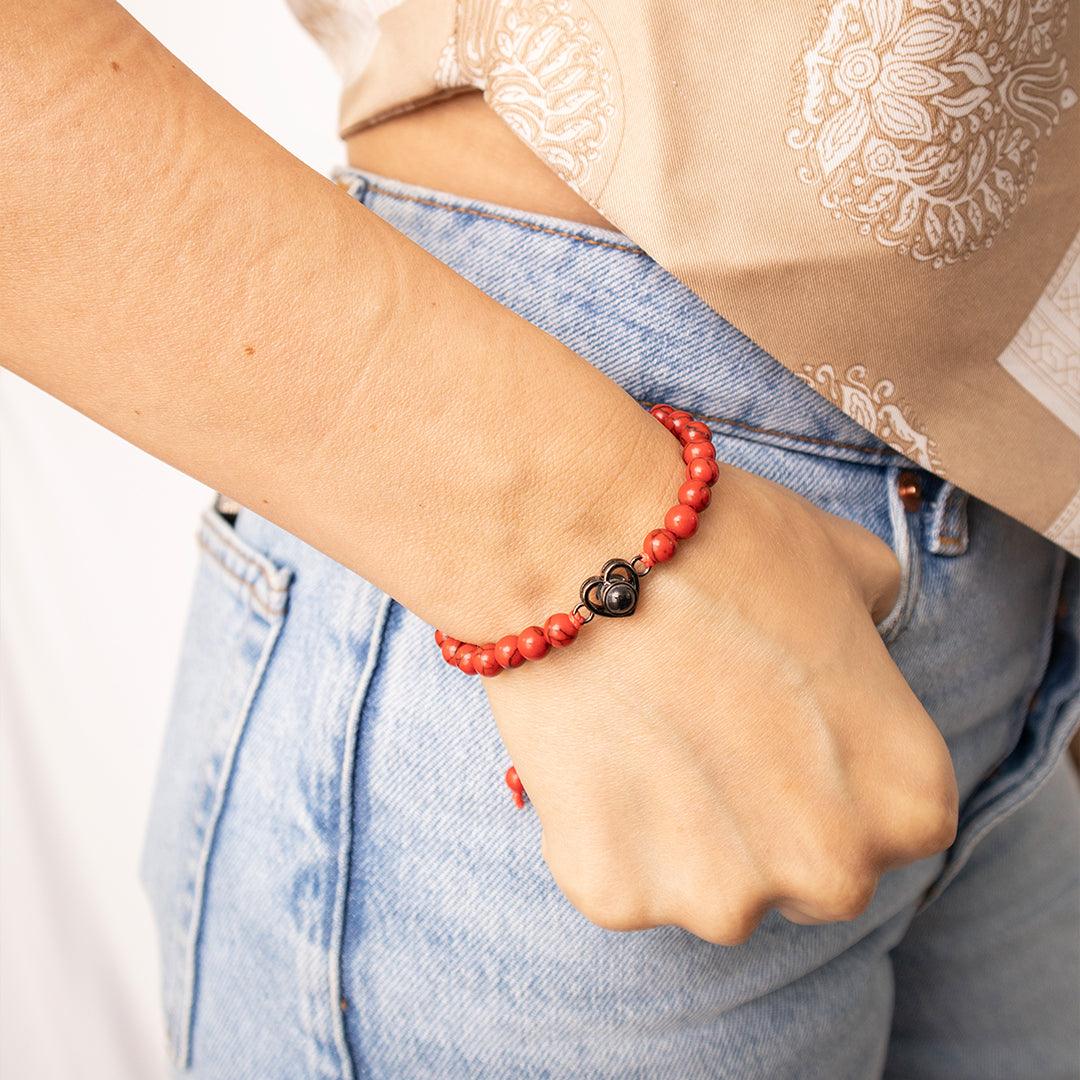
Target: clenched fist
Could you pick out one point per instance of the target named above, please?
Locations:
(744, 741)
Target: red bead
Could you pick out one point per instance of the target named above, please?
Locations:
(704, 469)
(681, 520)
(513, 782)
(660, 545)
(507, 653)
(560, 630)
(486, 661)
(695, 494)
(532, 644)
(440, 637)
(466, 657)
(677, 420)
(450, 648)
(694, 450)
(661, 412)
(695, 432)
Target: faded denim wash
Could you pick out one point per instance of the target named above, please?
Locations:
(344, 889)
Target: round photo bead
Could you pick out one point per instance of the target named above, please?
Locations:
(695, 494)
(704, 469)
(507, 652)
(532, 644)
(486, 661)
(681, 520)
(695, 431)
(677, 421)
(560, 630)
(661, 412)
(694, 450)
(449, 649)
(660, 545)
(466, 657)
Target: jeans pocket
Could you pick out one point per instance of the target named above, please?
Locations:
(1049, 718)
(237, 611)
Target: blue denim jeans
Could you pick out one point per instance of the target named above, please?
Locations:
(344, 888)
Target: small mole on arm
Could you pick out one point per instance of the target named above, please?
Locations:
(249, 350)
(114, 65)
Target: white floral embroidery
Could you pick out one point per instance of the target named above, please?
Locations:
(874, 408)
(546, 68)
(920, 117)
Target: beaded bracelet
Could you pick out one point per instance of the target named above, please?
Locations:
(613, 593)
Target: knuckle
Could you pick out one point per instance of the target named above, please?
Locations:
(733, 927)
(933, 826)
(925, 823)
(918, 814)
(838, 881)
(847, 895)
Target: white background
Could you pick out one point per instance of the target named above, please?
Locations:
(97, 555)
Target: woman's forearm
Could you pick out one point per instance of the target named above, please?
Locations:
(169, 270)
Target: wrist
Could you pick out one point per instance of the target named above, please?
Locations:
(582, 502)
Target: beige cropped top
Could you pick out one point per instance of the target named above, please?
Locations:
(883, 194)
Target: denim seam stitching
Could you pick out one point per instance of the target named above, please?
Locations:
(908, 554)
(1028, 698)
(816, 440)
(630, 249)
(991, 812)
(247, 588)
(270, 574)
(345, 834)
(948, 511)
(1026, 786)
(182, 1052)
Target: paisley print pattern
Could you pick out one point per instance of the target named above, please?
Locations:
(546, 67)
(920, 118)
(875, 409)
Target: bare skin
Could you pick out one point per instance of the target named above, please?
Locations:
(170, 271)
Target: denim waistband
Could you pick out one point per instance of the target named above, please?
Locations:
(605, 298)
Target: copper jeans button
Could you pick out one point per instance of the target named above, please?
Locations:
(909, 487)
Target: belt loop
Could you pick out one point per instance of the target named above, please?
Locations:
(946, 523)
(354, 184)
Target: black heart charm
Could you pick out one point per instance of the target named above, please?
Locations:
(614, 593)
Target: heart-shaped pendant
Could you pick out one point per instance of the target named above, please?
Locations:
(614, 592)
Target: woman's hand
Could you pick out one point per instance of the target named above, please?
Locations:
(744, 741)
